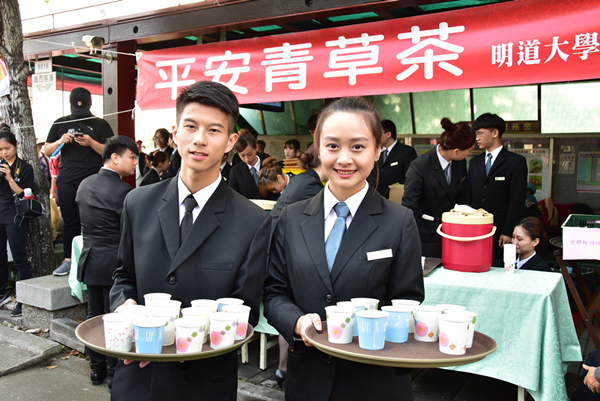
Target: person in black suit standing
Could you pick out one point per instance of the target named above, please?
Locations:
(527, 236)
(225, 167)
(347, 241)
(394, 160)
(497, 181)
(159, 164)
(244, 176)
(161, 140)
(186, 248)
(436, 181)
(100, 200)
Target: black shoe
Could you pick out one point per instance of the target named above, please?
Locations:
(98, 377)
(280, 378)
(17, 311)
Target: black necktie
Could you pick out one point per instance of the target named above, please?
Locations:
(186, 223)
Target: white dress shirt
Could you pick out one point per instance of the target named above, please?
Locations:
(494, 154)
(383, 148)
(520, 262)
(329, 201)
(444, 162)
(256, 165)
(202, 196)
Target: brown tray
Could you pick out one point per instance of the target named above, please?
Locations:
(91, 333)
(411, 354)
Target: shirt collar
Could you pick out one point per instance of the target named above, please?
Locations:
(520, 262)
(353, 202)
(494, 152)
(390, 148)
(201, 196)
(114, 171)
(256, 165)
(443, 162)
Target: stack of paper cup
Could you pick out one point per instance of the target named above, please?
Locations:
(510, 257)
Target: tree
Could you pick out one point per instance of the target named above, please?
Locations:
(15, 109)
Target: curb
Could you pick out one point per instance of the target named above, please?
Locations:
(256, 391)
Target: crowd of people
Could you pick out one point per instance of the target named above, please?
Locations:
(189, 229)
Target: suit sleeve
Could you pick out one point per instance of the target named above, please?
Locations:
(410, 156)
(125, 285)
(470, 181)
(251, 274)
(280, 307)
(413, 187)
(518, 192)
(463, 194)
(233, 179)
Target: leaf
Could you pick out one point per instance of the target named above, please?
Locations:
(65, 358)
(474, 319)
(194, 334)
(430, 335)
(74, 352)
(51, 367)
(468, 326)
(166, 324)
(452, 346)
(347, 320)
(227, 328)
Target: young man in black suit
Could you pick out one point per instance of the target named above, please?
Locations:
(205, 241)
(394, 160)
(497, 181)
(100, 200)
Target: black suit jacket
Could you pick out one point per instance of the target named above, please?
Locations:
(501, 193)
(226, 171)
(207, 265)
(428, 195)
(100, 200)
(175, 163)
(393, 171)
(299, 282)
(151, 177)
(142, 165)
(536, 263)
(242, 181)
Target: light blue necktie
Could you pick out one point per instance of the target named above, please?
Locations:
(337, 233)
(447, 173)
(255, 175)
(384, 155)
(488, 164)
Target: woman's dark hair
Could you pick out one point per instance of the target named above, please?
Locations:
(118, 144)
(534, 228)
(7, 135)
(456, 136)
(244, 141)
(310, 158)
(292, 143)
(266, 176)
(209, 93)
(164, 133)
(157, 157)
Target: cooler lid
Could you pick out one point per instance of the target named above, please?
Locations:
(471, 219)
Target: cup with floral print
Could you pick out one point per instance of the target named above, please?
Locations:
(169, 311)
(411, 302)
(118, 331)
(471, 325)
(371, 329)
(134, 310)
(189, 332)
(242, 312)
(447, 308)
(398, 323)
(426, 323)
(206, 305)
(201, 314)
(151, 298)
(453, 333)
(340, 323)
(368, 303)
(222, 329)
(149, 332)
(357, 307)
(228, 301)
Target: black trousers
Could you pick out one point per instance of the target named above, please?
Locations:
(66, 193)
(99, 304)
(17, 239)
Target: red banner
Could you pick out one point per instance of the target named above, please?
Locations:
(513, 43)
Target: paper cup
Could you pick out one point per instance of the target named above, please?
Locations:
(356, 307)
(340, 323)
(398, 322)
(426, 323)
(189, 332)
(168, 306)
(134, 310)
(471, 325)
(149, 299)
(206, 305)
(453, 333)
(368, 303)
(395, 302)
(118, 331)
(198, 313)
(222, 329)
(149, 334)
(510, 257)
(447, 308)
(169, 311)
(228, 301)
(371, 329)
(242, 313)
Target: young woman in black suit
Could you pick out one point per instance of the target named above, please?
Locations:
(244, 176)
(159, 163)
(272, 182)
(431, 190)
(527, 235)
(309, 270)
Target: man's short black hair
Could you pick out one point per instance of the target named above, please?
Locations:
(118, 144)
(213, 94)
(389, 126)
(490, 121)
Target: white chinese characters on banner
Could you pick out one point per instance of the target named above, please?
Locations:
(224, 69)
(429, 58)
(352, 61)
(586, 43)
(529, 52)
(286, 64)
(174, 83)
(502, 54)
(556, 50)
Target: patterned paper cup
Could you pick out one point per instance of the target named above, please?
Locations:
(426, 323)
(242, 313)
(371, 329)
(134, 310)
(222, 329)
(149, 299)
(471, 326)
(200, 314)
(206, 305)
(398, 322)
(357, 307)
(395, 302)
(447, 308)
(368, 303)
(453, 333)
(118, 331)
(149, 332)
(189, 332)
(340, 323)
(228, 301)
(169, 318)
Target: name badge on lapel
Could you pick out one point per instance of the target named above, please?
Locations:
(383, 254)
(500, 178)
(393, 164)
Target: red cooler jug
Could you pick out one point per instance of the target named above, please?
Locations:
(467, 241)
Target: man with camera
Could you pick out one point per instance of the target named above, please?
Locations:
(80, 137)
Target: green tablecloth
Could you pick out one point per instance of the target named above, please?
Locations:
(77, 287)
(528, 315)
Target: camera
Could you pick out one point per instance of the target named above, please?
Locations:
(2, 161)
(94, 42)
